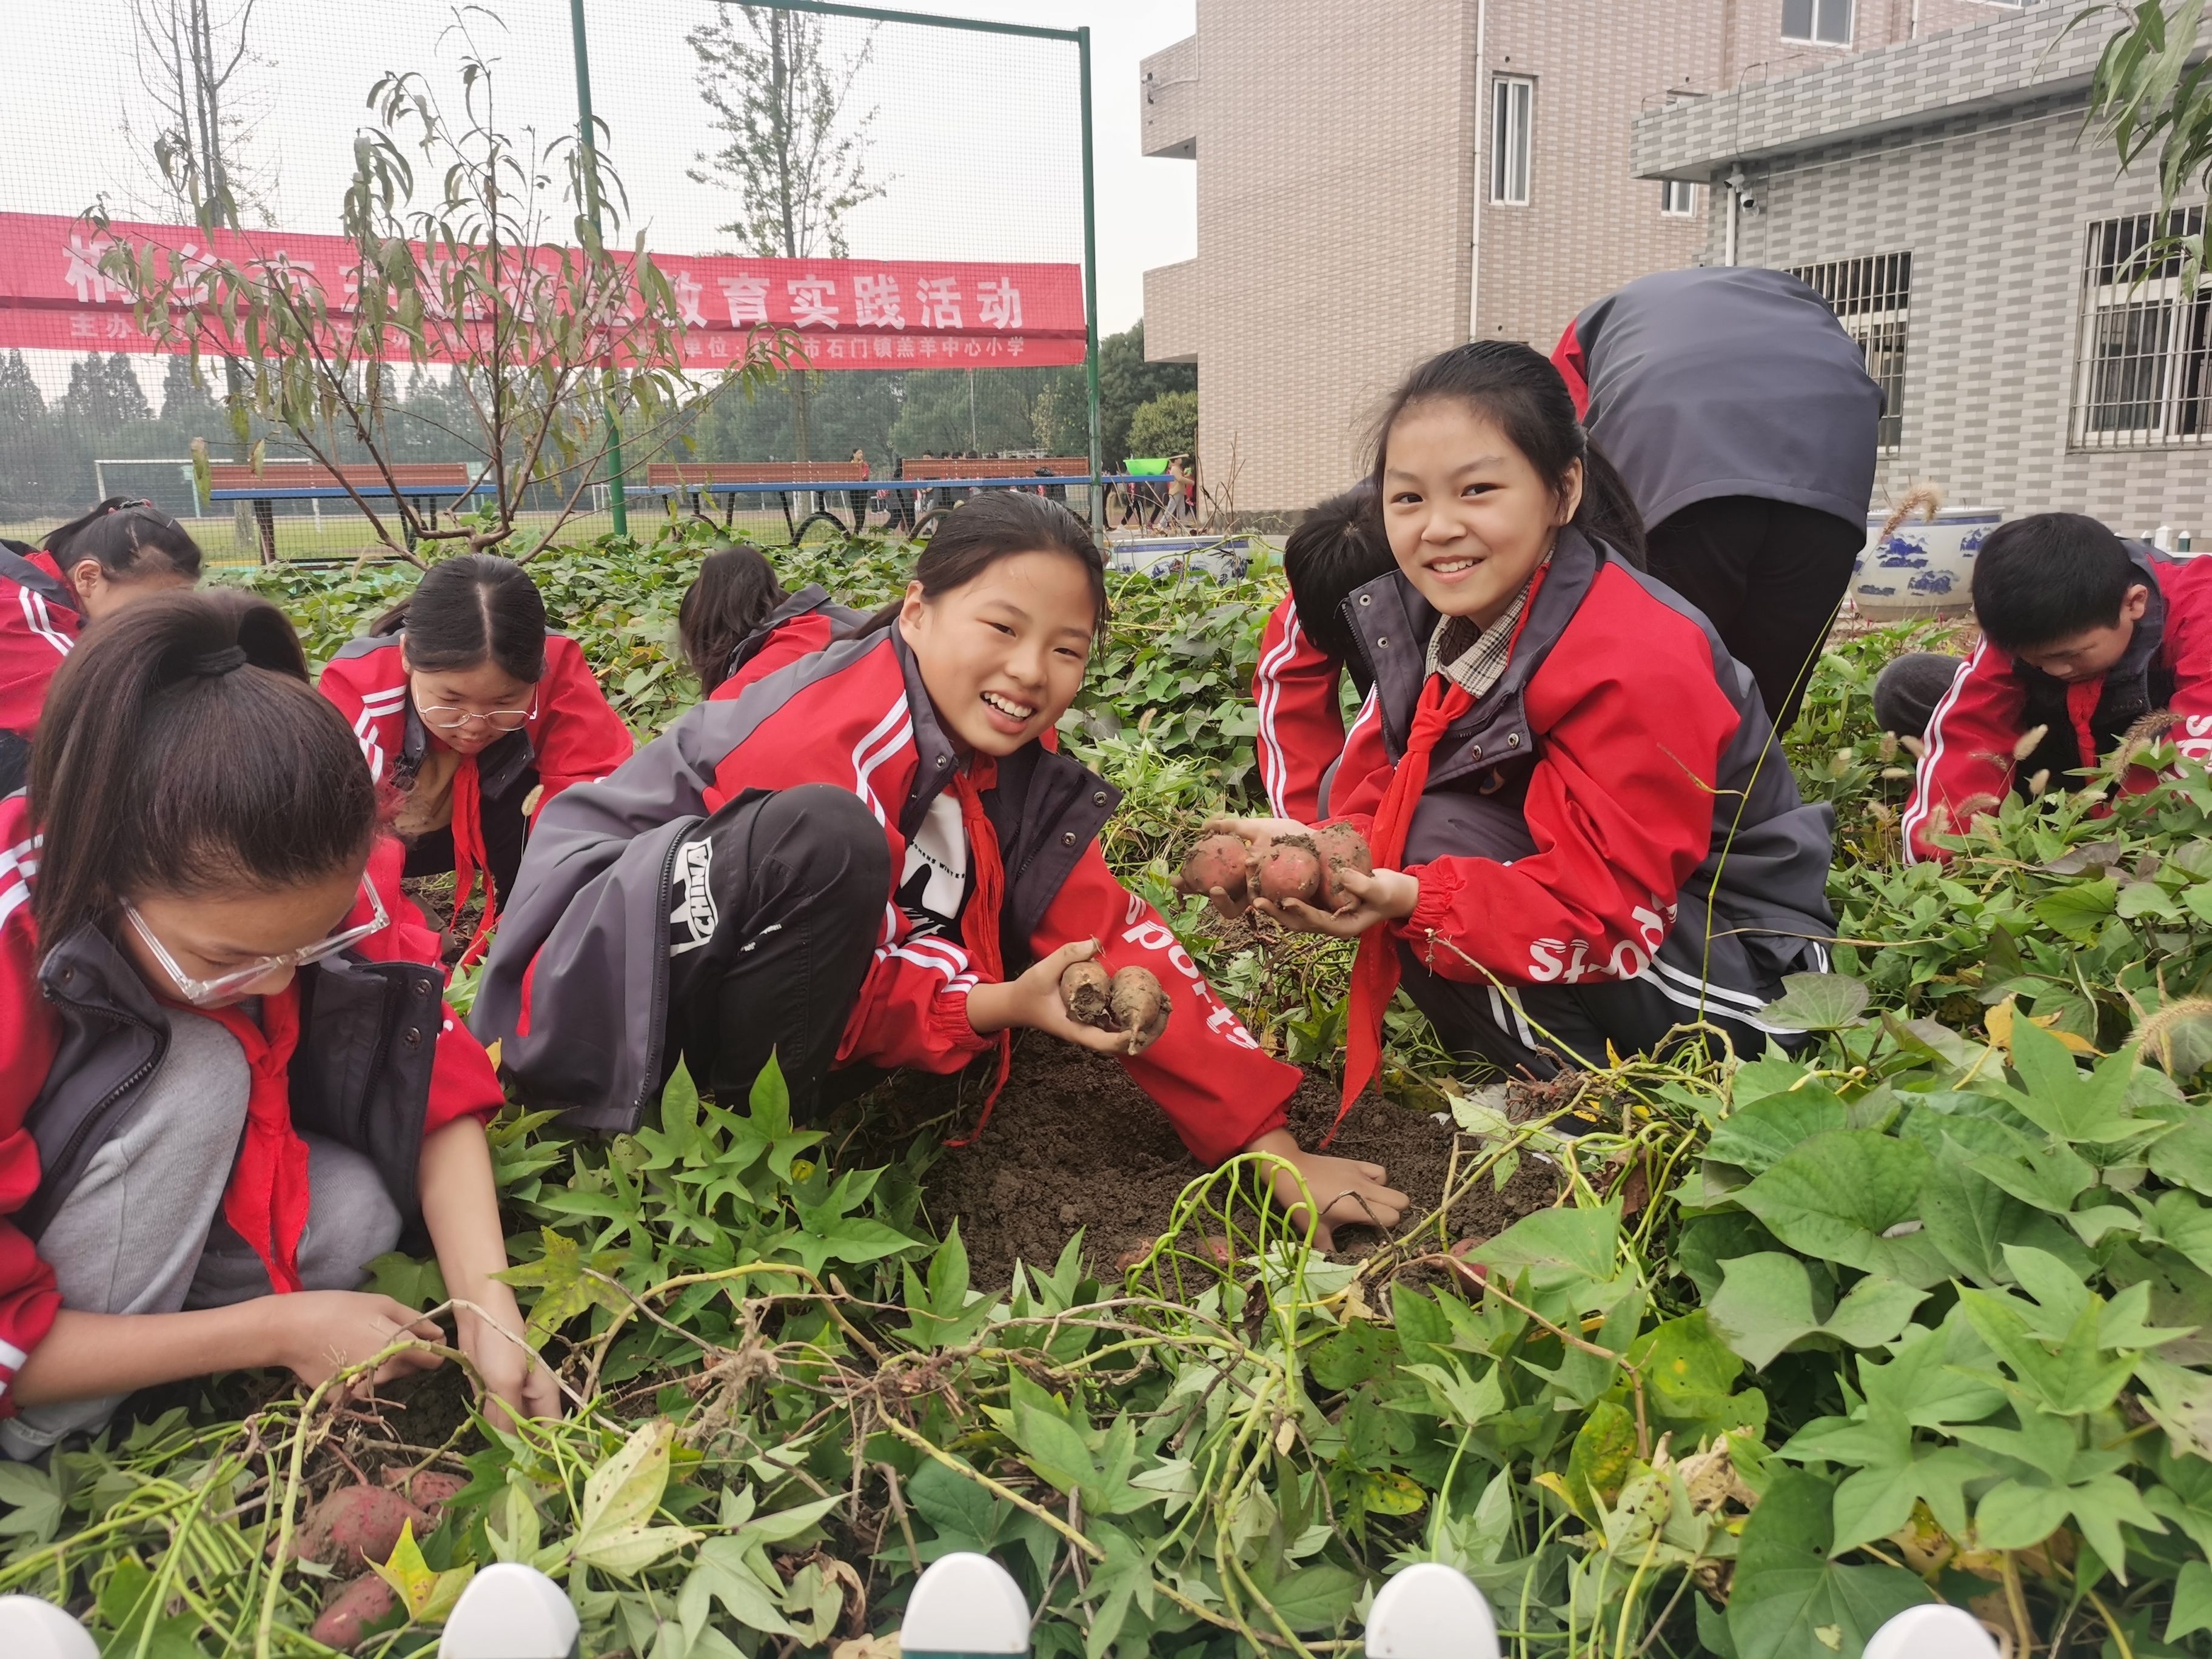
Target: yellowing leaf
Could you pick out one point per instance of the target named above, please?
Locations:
(629, 1551)
(1386, 1492)
(427, 1595)
(624, 1491)
(1998, 1024)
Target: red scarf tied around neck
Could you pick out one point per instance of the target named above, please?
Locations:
(1375, 971)
(267, 1198)
(978, 922)
(470, 858)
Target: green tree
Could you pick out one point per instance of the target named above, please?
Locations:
(1125, 383)
(1166, 426)
(796, 164)
(103, 393)
(22, 408)
(186, 403)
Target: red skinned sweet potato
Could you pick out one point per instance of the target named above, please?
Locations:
(1082, 987)
(1138, 1004)
(356, 1525)
(1341, 848)
(427, 1488)
(1218, 862)
(353, 1610)
(1290, 868)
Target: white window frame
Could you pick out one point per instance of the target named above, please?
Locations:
(1819, 11)
(1678, 191)
(1512, 138)
(2143, 345)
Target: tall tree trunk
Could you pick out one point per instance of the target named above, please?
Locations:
(801, 427)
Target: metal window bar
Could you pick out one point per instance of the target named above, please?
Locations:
(2143, 373)
(1872, 297)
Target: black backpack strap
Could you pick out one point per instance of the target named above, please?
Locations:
(17, 567)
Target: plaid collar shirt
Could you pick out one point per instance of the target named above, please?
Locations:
(1474, 656)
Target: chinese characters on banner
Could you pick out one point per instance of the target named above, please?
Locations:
(846, 313)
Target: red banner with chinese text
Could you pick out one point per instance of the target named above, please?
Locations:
(846, 313)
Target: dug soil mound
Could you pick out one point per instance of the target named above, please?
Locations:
(1075, 1145)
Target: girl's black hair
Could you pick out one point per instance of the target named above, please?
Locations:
(475, 609)
(1336, 547)
(984, 529)
(130, 538)
(1516, 387)
(731, 597)
(183, 750)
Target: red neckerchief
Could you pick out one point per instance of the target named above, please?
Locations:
(1375, 971)
(469, 857)
(267, 1198)
(978, 922)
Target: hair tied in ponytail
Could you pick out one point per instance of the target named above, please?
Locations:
(214, 665)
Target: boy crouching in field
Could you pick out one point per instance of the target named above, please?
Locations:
(2083, 635)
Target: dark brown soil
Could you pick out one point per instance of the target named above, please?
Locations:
(1073, 1145)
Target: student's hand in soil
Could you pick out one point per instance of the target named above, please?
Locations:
(1349, 1192)
(318, 1334)
(516, 1381)
(1033, 1002)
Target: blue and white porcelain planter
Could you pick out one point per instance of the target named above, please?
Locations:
(1924, 570)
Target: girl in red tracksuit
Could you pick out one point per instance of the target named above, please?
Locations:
(121, 550)
(477, 715)
(220, 1096)
(736, 624)
(870, 859)
(1304, 654)
(1583, 832)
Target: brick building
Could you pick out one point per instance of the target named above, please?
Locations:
(1942, 194)
(1380, 181)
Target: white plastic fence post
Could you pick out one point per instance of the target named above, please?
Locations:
(510, 1611)
(1430, 1611)
(32, 1629)
(965, 1604)
(1932, 1631)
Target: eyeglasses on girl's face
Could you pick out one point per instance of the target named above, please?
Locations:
(440, 717)
(233, 982)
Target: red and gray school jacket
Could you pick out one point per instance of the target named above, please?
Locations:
(381, 1063)
(1300, 734)
(39, 621)
(573, 738)
(1636, 752)
(800, 626)
(1969, 764)
(1725, 381)
(577, 987)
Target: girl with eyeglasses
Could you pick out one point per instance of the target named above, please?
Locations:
(221, 1092)
(467, 705)
(121, 550)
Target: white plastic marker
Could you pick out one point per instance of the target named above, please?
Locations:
(32, 1629)
(965, 1605)
(1430, 1611)
(510, 1611)
(1932, 1631)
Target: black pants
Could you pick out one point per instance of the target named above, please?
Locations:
(505, 830)
(1908, 689)
(1537, 1030)
(1768, 576)
(776, 904)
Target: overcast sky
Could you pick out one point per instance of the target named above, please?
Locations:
(975, 137)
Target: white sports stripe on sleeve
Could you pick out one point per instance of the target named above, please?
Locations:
(1274, 770)
(1923, 781)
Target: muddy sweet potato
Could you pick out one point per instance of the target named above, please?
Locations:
(356, 1525)
(352, 1610)
(427, 1488)
(1218, 862)
(1288, 868)
(1138, 1004)
(1083, 988)
(1341, 848)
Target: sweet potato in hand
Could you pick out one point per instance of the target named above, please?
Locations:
(1139, 1006)
(1287, 867)
(1216, 869)
(1341, 848)
(1131, 1001)
(1082, 987)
